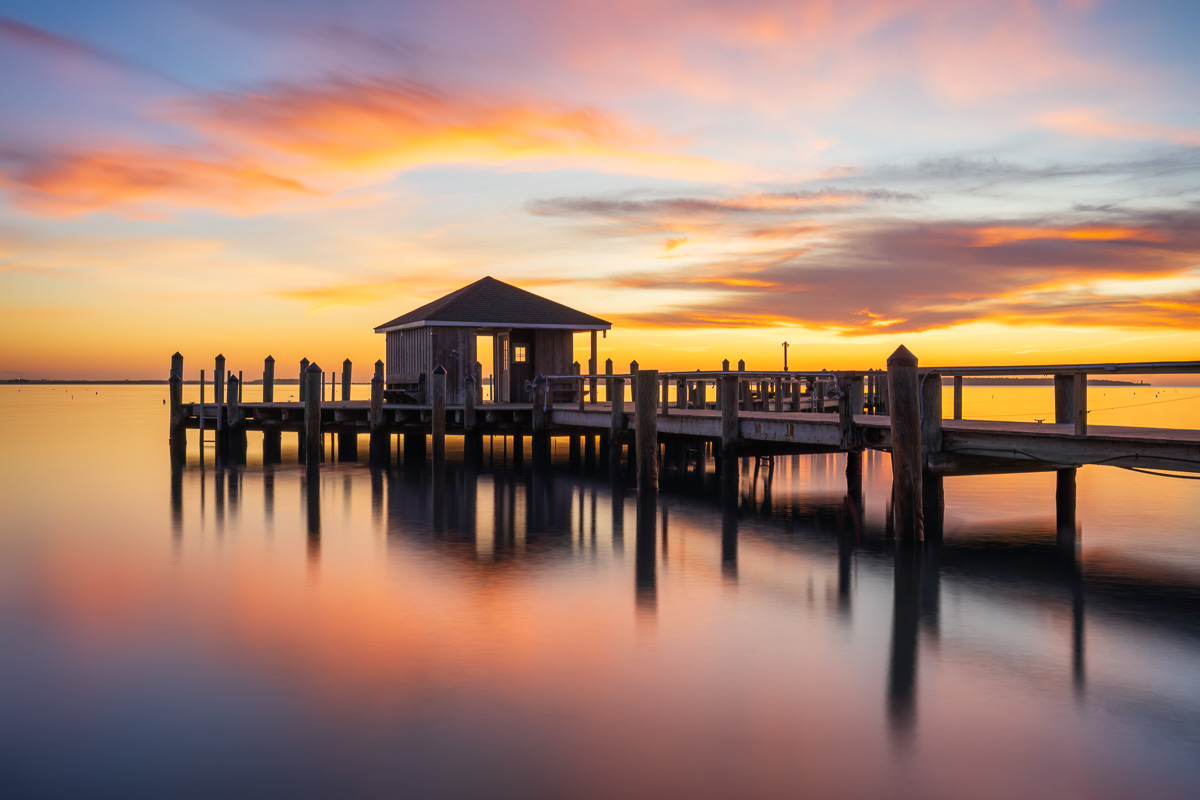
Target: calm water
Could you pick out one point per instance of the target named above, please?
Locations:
(217, 632)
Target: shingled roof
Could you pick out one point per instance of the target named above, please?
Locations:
(489, 303)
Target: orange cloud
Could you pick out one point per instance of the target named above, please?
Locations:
(139, 179)
(995, 236)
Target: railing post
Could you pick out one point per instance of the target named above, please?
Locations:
(592, 384)
(313, 442)
(727, 389)
(958, 384)
(646, 423)
(575, 370)
(666, 395)
(681, 393)
(438, 412)
(905, 395)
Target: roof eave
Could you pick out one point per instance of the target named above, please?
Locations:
(599, 326)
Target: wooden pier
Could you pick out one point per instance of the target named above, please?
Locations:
(672, 417)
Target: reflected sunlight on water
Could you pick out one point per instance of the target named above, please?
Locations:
(207, 630)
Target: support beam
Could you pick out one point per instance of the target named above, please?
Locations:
(904, 395)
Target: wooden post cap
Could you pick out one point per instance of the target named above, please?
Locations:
(377, 379)
(175, 378)
(540, 378)
(177, 354)
(902, 358)
(439, 370)
(220, 358)
(313, 369)
(469, 379)
(379, 362)
(269, 358)
(346, 363)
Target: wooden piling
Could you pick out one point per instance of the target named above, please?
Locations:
(666, 396)
(633, 371)
(743, 386)
(1065, 491)
(313, 443)
(178, 433)
(219, 395)
(819, 402)
(680, 393)
(347, 369)
(905, 397)
(933, 500)
(616, 425)
(646, 425)
(177, 364)
(575, 370)
(958, 384)
(235, 421)
(378, 446)
(437, 421)
(608, 384)
(469, 399)
(1080, 404)
(702, 394)
(303, 389)
(268, 389)
(727, 399)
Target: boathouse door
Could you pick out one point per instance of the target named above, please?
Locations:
(520, 365)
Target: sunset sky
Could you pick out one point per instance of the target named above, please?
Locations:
(986, 182)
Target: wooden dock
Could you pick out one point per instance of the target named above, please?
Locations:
(673, 415)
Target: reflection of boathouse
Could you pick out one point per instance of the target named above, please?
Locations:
(530, 335)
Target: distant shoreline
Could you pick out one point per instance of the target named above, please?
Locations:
(295, 382)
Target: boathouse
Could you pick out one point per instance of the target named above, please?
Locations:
(530, 335)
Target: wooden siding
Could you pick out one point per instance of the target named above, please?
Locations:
(553, 352)
(407, 354)
(454, 349)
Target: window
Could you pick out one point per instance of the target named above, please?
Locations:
(504, 356)
(518, 354)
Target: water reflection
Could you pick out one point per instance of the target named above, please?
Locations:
(784, 525)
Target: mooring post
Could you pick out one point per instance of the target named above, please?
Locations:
(646, 426)
(856, 390)
(820, 401)
(313, 443)
(378, 446)
(268, 389)
(616, 425)
(958, 384)
(905, 397)
(469, 403)
(743, 386)
(303, 388)
(237, 424)
(178, 432)
(177, 364)
(633, 371)
(680, 393)
(438, 413)
(666, 395)
(608, 384)
(347, 369)
(727, 400)
(1065, 488)
(933, 501)
(845, 407)
(1080, 404)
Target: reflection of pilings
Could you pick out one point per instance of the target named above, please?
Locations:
(377, 496)
(902, 667)
(269, 496)
(414, 449)
(1078, 655)
(847, 540)
(312, 507)
(646, 590)
(729, 519)
(1064, 502)
(219, 499)
(176, 500)
(439, 494)
(618, 517)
